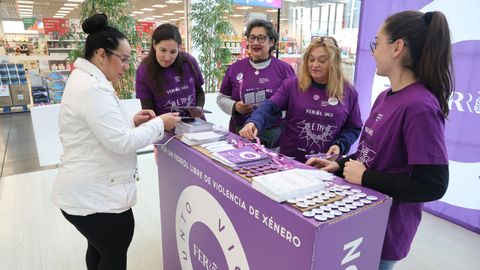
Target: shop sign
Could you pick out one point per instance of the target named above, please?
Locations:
(145, 27)
(61, 26)
(260, 3)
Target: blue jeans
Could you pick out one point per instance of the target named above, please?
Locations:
(386, 264)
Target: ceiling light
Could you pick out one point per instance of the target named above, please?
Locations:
(179, 11)
(58, 17)
(63, 11)
(148, 18)
(25, 2)
(25, 6)
(236, 15)
(159, 6)
(168, 14)
(25, 9)
(148, 9)
(70, 5)
(173, 1)
(138, 12)
(76, 1)
(244, 7)
(158, 16)
(66, 8)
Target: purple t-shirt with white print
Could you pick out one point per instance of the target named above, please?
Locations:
(313, 120)
(404, 128)
(180, 90)
(242, 83)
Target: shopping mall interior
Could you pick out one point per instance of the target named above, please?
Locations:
(33, 232)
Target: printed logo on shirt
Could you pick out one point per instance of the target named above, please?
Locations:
(319, 113)
(315, 134)
(176, 78)
(365, 154)
(263, 80)
(368, 130)
(378, 117)
(178, 102)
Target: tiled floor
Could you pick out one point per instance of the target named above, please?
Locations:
(34, 235)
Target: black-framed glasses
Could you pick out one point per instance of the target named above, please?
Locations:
(373, 46)
(326, 39)
(260, 38)
(124, 59)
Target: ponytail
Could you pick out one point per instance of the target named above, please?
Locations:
(427, 37)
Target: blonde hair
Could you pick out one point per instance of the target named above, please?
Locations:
(336, 80)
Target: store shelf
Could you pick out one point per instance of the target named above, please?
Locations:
(13, 109)
(18, 58)
(60, 49)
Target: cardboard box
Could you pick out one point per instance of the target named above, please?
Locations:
(5, 98)
(20, 94)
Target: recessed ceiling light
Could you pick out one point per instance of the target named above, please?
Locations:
(158, 16)
(159, 6)
(58, 17)
(25, 6)
(76, 1)
(25, 2)
(148, 18)
(25, 9)
(148, 9)
(173, 1)
(70, 5)
(236, 15)
(244, 7)
(63, 11)
(138, 12)
(66, 8)
(179, 11)
(168, 14)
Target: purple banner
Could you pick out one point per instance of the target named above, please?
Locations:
(213, 219)
(260, 3)
(463, 123)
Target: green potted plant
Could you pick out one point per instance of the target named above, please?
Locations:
(210, 27)
(116, 11)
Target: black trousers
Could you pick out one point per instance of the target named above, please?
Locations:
(108, 236)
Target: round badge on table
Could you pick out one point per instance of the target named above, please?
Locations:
(333, 101)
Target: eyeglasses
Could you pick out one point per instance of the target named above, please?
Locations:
(260, 38)
(326, 39)
(374, 44)
(124, 59)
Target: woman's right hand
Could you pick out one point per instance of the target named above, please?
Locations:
(170, 119)
(249, 131)
(323, 164)
(243, 108)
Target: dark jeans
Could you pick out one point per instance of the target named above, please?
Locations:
(108, 236)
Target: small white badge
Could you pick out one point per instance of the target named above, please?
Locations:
(316, 97)
(239, 76)
(333, 101)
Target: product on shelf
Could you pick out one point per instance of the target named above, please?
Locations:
(55, 82)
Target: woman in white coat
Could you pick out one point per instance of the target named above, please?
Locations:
(95, 186)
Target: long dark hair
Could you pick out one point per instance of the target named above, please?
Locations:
(427, 36)
(163, 32)
(100, 35)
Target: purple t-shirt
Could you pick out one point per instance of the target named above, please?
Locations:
(405, 128)
(180, 90)
(314, 120)
(242, 84)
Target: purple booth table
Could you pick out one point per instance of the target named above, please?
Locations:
(213, 219)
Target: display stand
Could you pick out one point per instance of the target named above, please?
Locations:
(213, 219)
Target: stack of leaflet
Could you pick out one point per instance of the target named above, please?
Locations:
(285, 185)
(240, 157)
(197, 125)
(197, 138)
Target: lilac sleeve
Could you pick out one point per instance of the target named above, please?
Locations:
(281, 96)
(226, 86)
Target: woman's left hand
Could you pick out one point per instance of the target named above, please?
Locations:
(353, 171)
(143, 116)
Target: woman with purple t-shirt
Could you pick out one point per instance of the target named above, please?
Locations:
(322, 115)
(168, 78)
(402, 149)
(250, 81)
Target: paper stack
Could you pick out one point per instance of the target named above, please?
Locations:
(284, 185)
(197, 138)
(197, 125)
